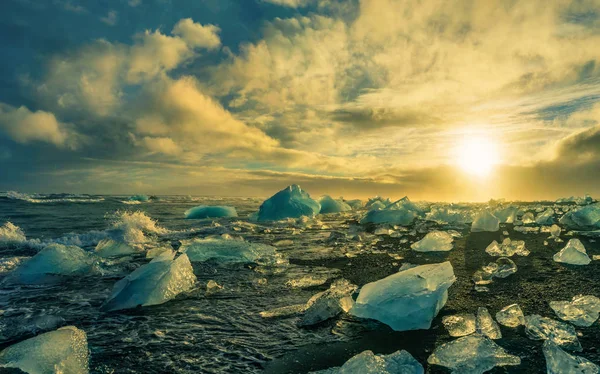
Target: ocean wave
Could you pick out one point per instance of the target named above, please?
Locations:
(52, 198)
(12, 235)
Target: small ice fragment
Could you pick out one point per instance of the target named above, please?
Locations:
(459, 324)
(407, 300)
(433, 242)
(369, 363)
(508, 248)
(560, 362)
(213, 287)
(107, 248)
(205, 211)
(472, 354)
(331, 205)
(327, 304)
(511, 316)
(485, 221)
(291, 202)
(555, 231)
(505, 267)
(502, 268)
(486, 325)
(581, 311)
(528, 218)
(61, 351)
(542, 328)
(573, 253)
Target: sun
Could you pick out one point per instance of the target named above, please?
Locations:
(477, 155)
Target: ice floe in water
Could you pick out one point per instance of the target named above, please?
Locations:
(573, 253)
(205, 211)
(511, 316)
(331, 205)
(110, 248)
(584, 218)
(291, 202)
(560, 362)
(399, 362)
(459, 324)
(52, 263)
(231, 251)
(408, 300)
(485, 221)
(328, 304)
(485, 324)
(508, 248)
(154, 283)
(543, 328)
(62, 351)
(472, 354)
(402, 212)
(581, 311)
(434, 241)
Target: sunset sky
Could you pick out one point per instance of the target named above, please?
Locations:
(434, 99)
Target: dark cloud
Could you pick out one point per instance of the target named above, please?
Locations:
(370, 118)
(581, 147)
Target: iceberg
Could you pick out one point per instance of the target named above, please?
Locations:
(408, 300)
(508, 248)
(402, 212)
(330, 205)
(511, 316)
(354, 204)
(546, 217)
(52, 263)
(154, 283)
(399, 362)
(291, 202)
(231, 251)
(472, 354)
(459, 324)
(328, 304)
(485, 324)
(560, 362)
(485, 221)
(560, 333)
(581, 311)
(107, 248)
(585, 218)
(435, 241)
(205, 211)
(61, 351)
(573, 253)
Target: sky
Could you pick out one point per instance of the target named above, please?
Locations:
(453, 100)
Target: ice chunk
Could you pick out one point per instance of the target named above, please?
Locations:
(107, 248)
(11, 235)
(355, 204)
(328, 304)
(485, 221)
(507, 215)
(156, 251)
(528, 218)
(542, 328)
(449, 215)
(154, 283)
(581, 311)
(560, 362)
(472, 354)
(330, 205)
(502, 268)
(511, 316)
(459, 324)
(51, 263)
(61, 351)
(434, 241)
(508, 248)
(231, 251)
(408, 300)
(402, 212)
(399, 362)
(291, 202)
(213, 287)
(486, 325)
(205, 211)
(585, 218)
(555, 232)
(140, 198)
(377, 203)
(546, 217)
(573, 253)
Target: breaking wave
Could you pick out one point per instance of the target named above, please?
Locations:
(52, 198)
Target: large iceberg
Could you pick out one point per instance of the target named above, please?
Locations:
(573, 253)
(407, 300)
(585, 218)
(399, 362)
(560, 362)
(52, 263)
(62, 351)
(331, 205)
(231, 251)
(205, 211)
(291, 202)
(485, 221)
(402, 212)
(435, 241)
(581, 311)
(154, 283)
(472, 354)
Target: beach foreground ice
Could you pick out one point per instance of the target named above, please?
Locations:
(560, 362)
(407, 300)
(485, 221)
(369, 363)
(560, 333)
(573, 253)
(435, 241)
(581, 311)
(61, 351)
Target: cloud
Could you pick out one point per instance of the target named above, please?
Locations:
(197, 35)
(134, 3)
(110, 18)
(375, 118)
(289, 3)
(583, 146)
(24, 126)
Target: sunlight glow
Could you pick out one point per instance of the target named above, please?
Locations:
(477, 155)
